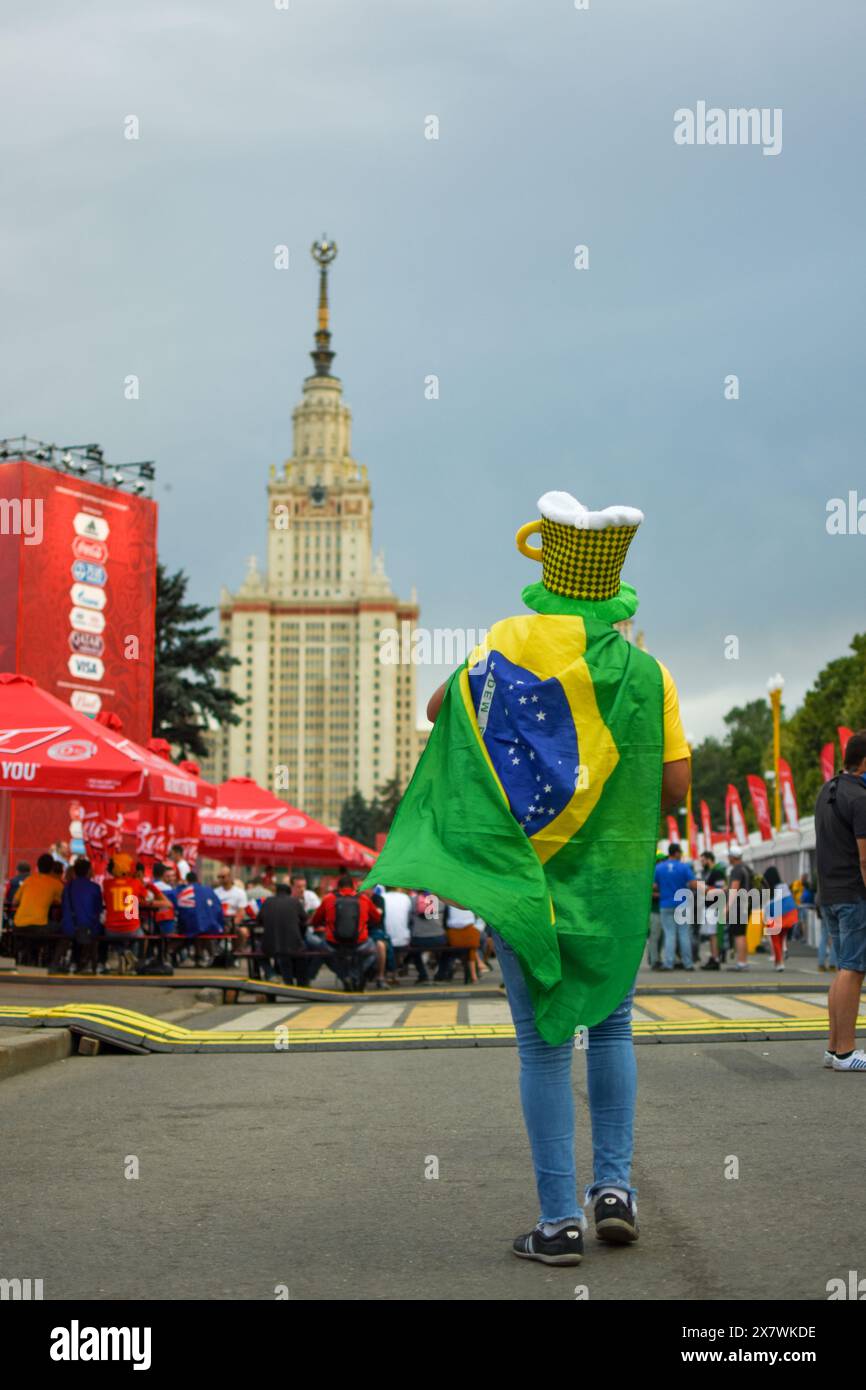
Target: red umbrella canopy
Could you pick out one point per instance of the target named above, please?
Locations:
(48, 748)
(250, 822)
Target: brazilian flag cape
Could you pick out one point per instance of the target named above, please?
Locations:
(536, 804)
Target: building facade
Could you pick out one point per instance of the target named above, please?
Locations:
(323, 714)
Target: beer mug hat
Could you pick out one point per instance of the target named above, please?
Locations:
(582, 553)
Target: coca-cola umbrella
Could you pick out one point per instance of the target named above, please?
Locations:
(251, 825)
(49, 749)
(156, 827)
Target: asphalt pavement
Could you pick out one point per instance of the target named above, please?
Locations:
(311, 1172)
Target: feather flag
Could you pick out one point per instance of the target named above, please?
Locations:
(828, 761)
(536, 803)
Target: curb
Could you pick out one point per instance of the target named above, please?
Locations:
(36, 1049)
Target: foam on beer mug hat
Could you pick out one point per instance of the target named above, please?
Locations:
(581, 555)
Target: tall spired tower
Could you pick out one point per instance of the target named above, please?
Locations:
(324, 716)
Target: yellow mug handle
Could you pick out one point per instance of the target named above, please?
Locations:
(532, 551)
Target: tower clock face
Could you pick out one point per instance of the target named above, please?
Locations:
(318, 493)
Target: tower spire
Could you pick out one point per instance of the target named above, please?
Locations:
(323, 253)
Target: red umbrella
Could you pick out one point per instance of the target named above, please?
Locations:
(253, 825)
(157, 827)
(49, 749)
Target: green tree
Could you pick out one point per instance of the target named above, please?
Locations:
(836, 697)
(190, 662)
(356, 819)
(747, 746)
(363, 820)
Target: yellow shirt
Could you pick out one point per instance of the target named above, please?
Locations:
(34, 897)
(675, 746)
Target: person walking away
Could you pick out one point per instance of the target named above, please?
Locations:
(33, 901)
(283, 919)
(840, 840)
(675, 880)
(81, 916)
(740, 881)
(536, 803)
(398, 913)
(779, 913)
(346, 917)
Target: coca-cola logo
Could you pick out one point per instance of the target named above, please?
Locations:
(100, 830)
(151, 839)
(84, 548)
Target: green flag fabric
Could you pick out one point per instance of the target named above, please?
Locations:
(536, 803)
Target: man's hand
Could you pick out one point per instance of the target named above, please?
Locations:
(861, 850)
(676, 777)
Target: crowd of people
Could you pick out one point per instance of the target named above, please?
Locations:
(714, 906)
(63, 917)
(383, 938)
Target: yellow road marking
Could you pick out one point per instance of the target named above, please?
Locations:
(674, 1010)
(318, 1016)
(442, 1015)
(785, 1004)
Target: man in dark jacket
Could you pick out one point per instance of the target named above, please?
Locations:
(283, 920)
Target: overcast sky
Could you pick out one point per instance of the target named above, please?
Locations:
(261, 126)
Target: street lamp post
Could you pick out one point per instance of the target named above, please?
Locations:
(774, 687)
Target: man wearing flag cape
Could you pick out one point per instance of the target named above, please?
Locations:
(536, 804)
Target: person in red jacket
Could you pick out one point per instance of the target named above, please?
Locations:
(345, 916)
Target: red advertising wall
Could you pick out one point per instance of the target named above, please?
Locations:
(79, 590)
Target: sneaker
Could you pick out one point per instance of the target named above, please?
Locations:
(615, 1220)
(711, 964)
(739, 965)
(565, 1248)
(856, 1062)
(780, 967)
(822, 968)
(829, 1058)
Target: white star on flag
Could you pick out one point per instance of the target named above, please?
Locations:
(541, 715)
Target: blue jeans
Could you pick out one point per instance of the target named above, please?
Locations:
(676, 934)
(847, 923)
(548, 1100)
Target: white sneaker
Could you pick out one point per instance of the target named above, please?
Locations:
(828, 1058)
(856, 1062)
(780, 967)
